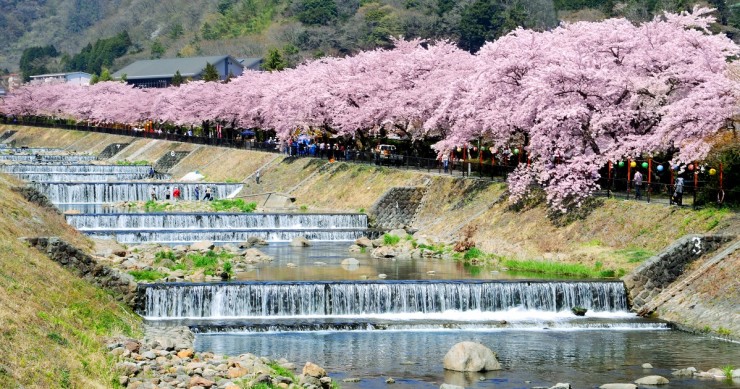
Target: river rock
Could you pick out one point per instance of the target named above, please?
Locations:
(561, 385)
(382, 275)
(313, 370)
(383, 252)
(687, 372)
(652, 380)
(390, 380)
(300, 241)
(128, 368)
(470, 356)
(736, 373)
(647, 366)
(355, 249)
(618, 386)
(197, 380)
(713, 373)
(254, 256)
(450, 386)
(256, 241)
(399, 232)
(203, 245)
(350, 262)
(364, 242)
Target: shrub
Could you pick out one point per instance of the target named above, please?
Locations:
(229, 204)
(146, 275)
(473, 253)
(391, 240)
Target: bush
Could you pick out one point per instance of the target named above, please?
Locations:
(229, 204)
(390, 240)
(146, 275)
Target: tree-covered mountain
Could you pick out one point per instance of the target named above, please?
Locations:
(298, 29)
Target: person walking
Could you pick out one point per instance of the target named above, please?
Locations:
(176, 193)
(197, 192)
(678, 192)
(153, 194)
(446, 162)
(208, 194)
(257, 177)
(637, 181)
(167, 193)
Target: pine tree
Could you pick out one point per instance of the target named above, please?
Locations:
(210, 73)
(177, 79)
(274, 61)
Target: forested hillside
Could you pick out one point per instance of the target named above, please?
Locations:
(299, 29)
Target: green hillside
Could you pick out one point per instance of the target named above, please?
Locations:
(55, 323)
(300, 28)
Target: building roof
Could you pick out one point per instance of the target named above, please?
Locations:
(166, 68)
(59, 74)
(251, 62)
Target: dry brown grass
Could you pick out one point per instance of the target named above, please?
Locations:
(52, 323)
(44, 137)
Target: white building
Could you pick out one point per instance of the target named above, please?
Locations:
(75, 78)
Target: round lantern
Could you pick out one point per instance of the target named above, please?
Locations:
(516, 151)
(660, 168)
(644, 165)
(621, 164)
(712, 171)
(691, 166)
(633, 164)
(459, 149)
(675, 167)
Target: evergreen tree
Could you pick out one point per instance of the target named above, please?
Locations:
(210, 73)
(105, 75)
(274, 61)
(177, 79)
(157, 49)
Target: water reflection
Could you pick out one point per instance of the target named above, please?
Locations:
(584, 358)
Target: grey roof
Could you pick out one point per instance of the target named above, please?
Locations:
(59, 74)
(251, 62)
(166, 68)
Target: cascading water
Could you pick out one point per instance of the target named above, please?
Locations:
(42, 158)
(111, 192)
(360, 299)
(77, 168)
(80, 177)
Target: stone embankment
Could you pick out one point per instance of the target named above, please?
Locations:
(692, 283)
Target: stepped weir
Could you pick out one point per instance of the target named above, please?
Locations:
(112, 192)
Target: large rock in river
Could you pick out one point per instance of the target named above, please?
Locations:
(471, 356)
(652, 380)
(300, 241)
(203, 245)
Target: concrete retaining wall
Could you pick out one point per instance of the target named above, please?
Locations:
(652, 277)
(112, 149)
(397, 207)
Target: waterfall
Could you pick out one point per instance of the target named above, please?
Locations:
(227, 236)
(111, 192)
(80, 177)
(196, 221)
(47, 158)
(78, 168)
(341, 299)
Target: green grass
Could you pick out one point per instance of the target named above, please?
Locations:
(209, 261)
(154, 206)
(635, 254)
(229, 204)
(281, 371)
(391, 240)
(58, 339)
(132, 163)
(724, 331)
(164, 254)
(547, 267)
(473, 253)
(728, 371)
(146, 275)
(304, 208)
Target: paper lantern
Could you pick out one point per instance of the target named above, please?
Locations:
(516, 151)
(621, 164)
(459, 149)
(633, 164)
(712, 171)
(691, 166)
(644, 165)
(660, 168)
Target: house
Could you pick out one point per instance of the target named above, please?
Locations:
(158, 73)
(253, 63)
(75, 78)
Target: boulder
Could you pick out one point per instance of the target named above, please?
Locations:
(687, 372)
(186, 353)
(300, 241)
(350, 262)
(652, 380)
(714, 373)
(203, 245)
(471, 356)
(313, 370)
(255, 256)
(355, 248)
(364, 242)
(399, 232)
(561, 385)
(647, 366)
(618, 386)
(383, 252)
(197, 380)
(450, 386)
(256, 241)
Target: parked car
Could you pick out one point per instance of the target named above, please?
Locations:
(386, 154)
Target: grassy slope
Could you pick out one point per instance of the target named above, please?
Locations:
(52, 323)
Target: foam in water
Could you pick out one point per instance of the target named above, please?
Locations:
(76, 168)
(346, 299)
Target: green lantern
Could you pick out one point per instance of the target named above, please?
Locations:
(644, 165)
(516, 151)
(621, 164)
